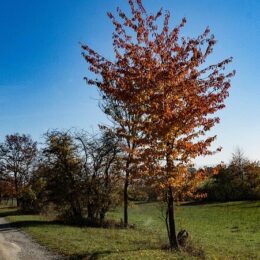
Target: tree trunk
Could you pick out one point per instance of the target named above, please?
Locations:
(90, 211)
(102, 215)
(18, 201)
(126, 199)
(171, 221)
(76, 209)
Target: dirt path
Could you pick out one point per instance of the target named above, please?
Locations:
(16, 245)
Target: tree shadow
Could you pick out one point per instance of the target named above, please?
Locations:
(222, 204)
(143, 202)
(235, 204)
(34, 223)
(10, 225)
(98, 254)
(197, 203)
(90, 256)
(6, 227)
(8, 212)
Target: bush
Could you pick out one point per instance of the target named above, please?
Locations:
(28, 201)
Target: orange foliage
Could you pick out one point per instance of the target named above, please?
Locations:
(161, 78)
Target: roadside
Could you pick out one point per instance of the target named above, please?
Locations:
(16, 245)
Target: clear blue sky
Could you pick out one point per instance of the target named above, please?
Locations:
(41, 68)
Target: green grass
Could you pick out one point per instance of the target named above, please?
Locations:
(223, 230)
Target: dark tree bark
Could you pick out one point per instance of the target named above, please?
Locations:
(126, 199)
(90, 208)
(171, 221)
(18, 200)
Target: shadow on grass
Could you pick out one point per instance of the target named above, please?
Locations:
(6, 227)
(85, 223)
(143, 202)
(197, 203)
(236, 204)
(33, 223)
(92, 256)
(222, 204)
(98, 254)
(8, 212)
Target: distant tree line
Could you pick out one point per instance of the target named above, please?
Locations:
(82, 176)
(239, 180)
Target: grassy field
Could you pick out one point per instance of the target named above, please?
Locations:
(222, 230)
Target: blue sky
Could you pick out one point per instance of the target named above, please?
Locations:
(41, 68)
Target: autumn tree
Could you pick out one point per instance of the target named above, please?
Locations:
(163, 80)
(17, 154)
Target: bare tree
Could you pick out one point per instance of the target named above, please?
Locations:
(238, 162)
(102, 172)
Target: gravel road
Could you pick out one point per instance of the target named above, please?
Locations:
(16, 245)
